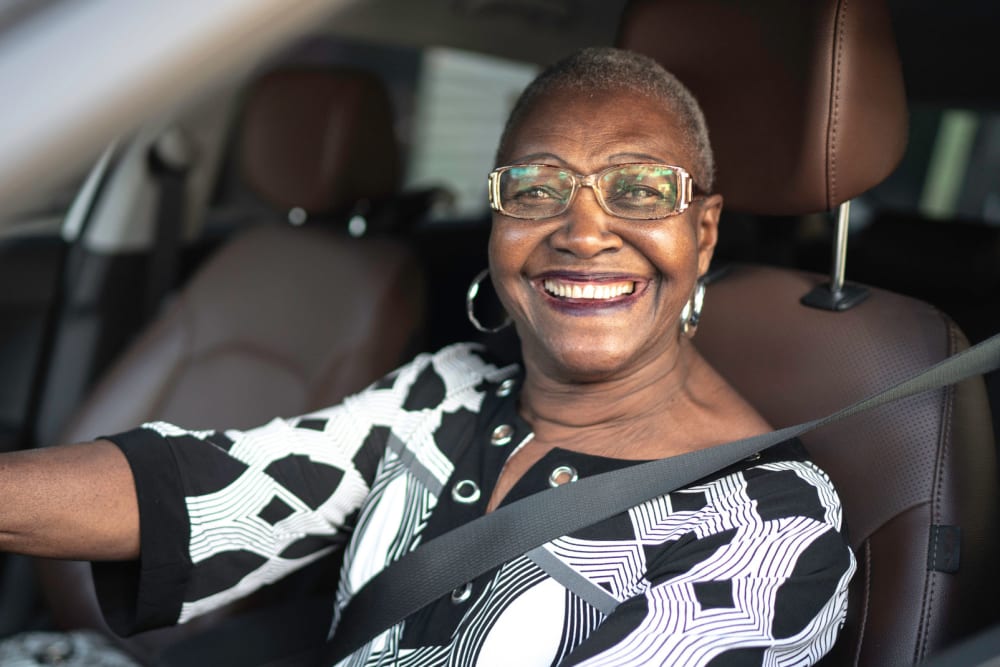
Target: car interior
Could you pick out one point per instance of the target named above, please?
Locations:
(283, 242)
(834, 132)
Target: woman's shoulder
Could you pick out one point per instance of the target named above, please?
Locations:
(465, 363)
(781, 481)
(431, 377)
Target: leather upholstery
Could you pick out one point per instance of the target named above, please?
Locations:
(318, 139)
(804, 100)
(806, 109)
(280, 321)
(901, 469)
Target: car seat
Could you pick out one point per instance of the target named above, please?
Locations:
(281, 320)
(806, 109)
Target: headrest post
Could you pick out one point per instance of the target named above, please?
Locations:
(840, 247)
(837, 295)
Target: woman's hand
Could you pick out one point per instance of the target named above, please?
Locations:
(75, 501)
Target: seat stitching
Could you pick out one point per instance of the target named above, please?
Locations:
(865, 602)
(944, 444)
(838, 40)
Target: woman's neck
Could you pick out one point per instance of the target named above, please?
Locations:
(661, 410)
(623, 415)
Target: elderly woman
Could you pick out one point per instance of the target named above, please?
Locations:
(603, 223)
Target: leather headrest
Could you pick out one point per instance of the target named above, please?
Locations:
(318, 139)
(804, 99)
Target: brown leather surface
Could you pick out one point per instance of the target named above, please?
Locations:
(280, 321)
(318, 139)
(804, 100)
(926, 460)
(889, 639)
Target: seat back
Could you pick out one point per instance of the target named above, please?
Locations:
(280, 321)
(805, 106)
(318, 139)
(917, 478)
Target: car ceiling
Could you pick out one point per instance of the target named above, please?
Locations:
(537, 31)
(947, 49)
(947, 52)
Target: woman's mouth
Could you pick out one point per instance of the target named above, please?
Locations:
(596, 291)
(581, 294)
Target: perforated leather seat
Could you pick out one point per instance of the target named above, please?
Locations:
(281, 320)
(805, 106)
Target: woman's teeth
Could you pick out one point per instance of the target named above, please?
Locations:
(589, 290)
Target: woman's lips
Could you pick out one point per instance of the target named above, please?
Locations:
(587, 292)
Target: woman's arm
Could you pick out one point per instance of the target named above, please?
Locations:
(74, 501)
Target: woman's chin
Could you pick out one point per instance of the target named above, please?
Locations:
(589, 363)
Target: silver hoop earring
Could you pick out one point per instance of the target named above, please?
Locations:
(691, 313)
(470, 298)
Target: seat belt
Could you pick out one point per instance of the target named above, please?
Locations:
(169, 160)
(459, 556)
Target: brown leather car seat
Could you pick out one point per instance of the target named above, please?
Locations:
(281, 320)
(806, 108)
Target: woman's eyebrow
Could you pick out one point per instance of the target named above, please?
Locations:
(535, 157)
(642, 157)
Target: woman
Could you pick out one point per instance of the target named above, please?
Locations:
(603, 224)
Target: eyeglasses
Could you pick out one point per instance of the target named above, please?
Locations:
(631, 191)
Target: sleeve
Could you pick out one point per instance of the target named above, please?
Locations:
(761, 580)
(223, 513)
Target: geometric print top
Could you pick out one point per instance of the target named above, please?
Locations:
(746, 567)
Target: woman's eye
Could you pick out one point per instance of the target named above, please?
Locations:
(537, 192)
(642, 193)
(637, 193)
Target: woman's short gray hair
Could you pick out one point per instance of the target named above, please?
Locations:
(605, 68)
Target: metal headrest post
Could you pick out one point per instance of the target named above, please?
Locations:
(838, 295)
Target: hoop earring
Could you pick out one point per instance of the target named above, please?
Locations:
(691, 313)
(470, 298)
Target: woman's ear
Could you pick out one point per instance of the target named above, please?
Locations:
(708, 211)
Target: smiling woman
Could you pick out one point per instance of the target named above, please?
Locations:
(599, 239)
(585, 242)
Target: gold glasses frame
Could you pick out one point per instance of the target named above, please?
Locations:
(685, 189)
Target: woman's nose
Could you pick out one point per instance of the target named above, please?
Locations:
(586, 229)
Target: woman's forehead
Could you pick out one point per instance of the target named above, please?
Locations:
(598, 127)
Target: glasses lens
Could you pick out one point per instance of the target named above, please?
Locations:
(640, 191)
(535, 191)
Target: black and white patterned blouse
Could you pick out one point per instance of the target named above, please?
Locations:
(746, 567)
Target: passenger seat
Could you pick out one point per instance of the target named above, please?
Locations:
(281, 320)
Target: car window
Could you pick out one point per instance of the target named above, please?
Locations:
(462, 102)
(951, 169)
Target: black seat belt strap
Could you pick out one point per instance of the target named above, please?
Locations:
(169, 161)
(459, 556)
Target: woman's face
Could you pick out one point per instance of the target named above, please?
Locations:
(654, 262)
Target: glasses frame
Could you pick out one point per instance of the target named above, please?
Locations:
(685, 189)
